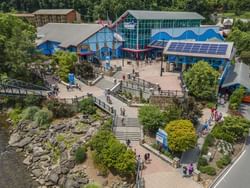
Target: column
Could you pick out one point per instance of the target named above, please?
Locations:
(183, 68)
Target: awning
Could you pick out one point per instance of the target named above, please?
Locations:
(86, 53)
(136, 50)
(238, 74)
(160, 44)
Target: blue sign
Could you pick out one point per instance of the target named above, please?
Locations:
(162, 138)
(71, 79)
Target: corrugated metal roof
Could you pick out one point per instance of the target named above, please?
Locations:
(53, 11)
(164, 15)
(237, 74)
(66, 34)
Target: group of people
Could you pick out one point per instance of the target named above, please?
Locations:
(122, 111)
(54, 92)
(70, 87)
(188, 170)
(215, 115)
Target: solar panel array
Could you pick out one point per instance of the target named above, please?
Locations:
(217, 49)
(158, 43)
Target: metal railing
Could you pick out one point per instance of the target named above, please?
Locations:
(142, 83)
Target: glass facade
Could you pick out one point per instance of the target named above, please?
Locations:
(137, 33)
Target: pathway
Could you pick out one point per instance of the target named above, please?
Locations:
(158, 174)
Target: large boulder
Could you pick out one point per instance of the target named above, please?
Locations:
(37, 172)
(14, 138)
(27, 160)
(70, 183)
(38, 152)
(23, 142)
(53, 177)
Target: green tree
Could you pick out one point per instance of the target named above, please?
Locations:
(245, 57)
(17, 48)
(29, 112)
(151, 118)
(85, 70)
(63, 63)
(202, 80)
(172, 112)
(87, 106)
(181, 135)
(232, 129)
(236, 98)
(43, 117)
(80, 155)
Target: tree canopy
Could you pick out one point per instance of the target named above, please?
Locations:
(202, 80)
(17, 46)
(181, 135)
(151, 118)
(92, 10)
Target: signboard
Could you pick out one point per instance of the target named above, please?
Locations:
(129, 25)
(162, 138)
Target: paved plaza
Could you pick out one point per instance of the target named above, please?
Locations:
(151, 73)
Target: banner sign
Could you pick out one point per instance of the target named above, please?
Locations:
(162, 138)
(130, 25)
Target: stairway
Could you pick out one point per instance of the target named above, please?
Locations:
(130, 130)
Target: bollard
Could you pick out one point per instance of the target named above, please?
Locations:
(196, 175)
(176, 162)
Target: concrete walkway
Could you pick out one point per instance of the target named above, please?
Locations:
(158, 174)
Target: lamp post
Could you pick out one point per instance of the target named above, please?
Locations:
(123, 53)
(161, 64)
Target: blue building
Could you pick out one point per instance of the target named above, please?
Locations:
(87, 40)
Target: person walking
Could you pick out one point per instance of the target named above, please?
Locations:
(128, 142)
(124, 111)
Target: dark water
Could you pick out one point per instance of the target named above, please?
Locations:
(13, 173)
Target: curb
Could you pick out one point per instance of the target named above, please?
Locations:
(228, 167)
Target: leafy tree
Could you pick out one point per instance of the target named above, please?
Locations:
(33, 100)
(87, 106)
(245, 57)
(110, 153)
(181, 135)
(151, 118)
(236, 98)
(17, 48)
(232, 129)
(202, 80)
(60, 109)
(85, 70)
(63, 62)
(172, 112)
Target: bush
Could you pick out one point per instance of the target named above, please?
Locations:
(219, 164)
(87, 106)
(209, 170)
(92, 185)
(43, 117)
(236, 98)
(60, 110)
(29, 112)
(210, 140)
(15, 115)
(108, 152)
(32, 100)
(202, 162)
(80, 155)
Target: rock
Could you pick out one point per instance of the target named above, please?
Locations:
(64, 156)
(62, 181)
(44, 158)
(65, 170)
(79, 130)
(35, 159)
(23, 142)
(53, 177)
(15, 137)
(96, 124)
(68, 164)
(38, 151)
(82, 180)
(41, 181)
(70, 183)
(27, 160)
(62, 146)
(59, 127)
(19, 150)
(37, 172)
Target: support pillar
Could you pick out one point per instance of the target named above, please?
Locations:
(183, 68)
(167, 67)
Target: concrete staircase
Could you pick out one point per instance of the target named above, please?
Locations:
(130, 130)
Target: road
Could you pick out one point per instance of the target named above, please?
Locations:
(238, 175)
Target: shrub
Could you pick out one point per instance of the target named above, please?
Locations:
(43, 117)
(209, 170)
(15, 115)
(29, 112)
(60, 109)
(80, 155)
(92, 185)
(32, 100)
(219, 164)
(202, 162)
(236, 98)
(210, 140)
(87, 106)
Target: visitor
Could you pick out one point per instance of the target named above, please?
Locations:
(122, 120)
(115, 81)
(184, 171)
(146, 157)
(128, 142)
(123, 77)
(159, 89)
(133, 71)
(190, 169)
(123, 111)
